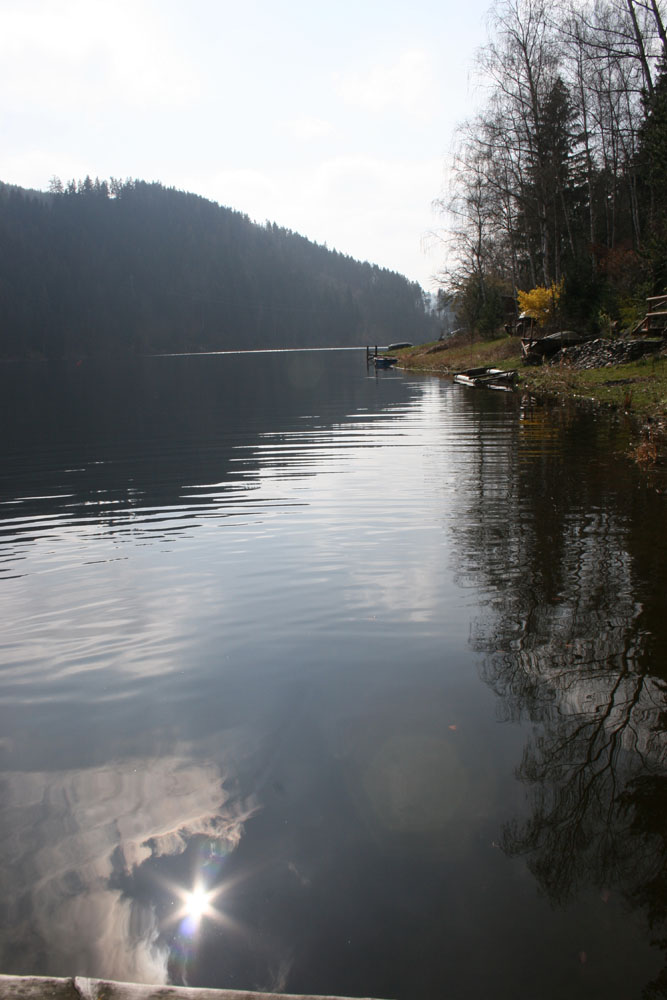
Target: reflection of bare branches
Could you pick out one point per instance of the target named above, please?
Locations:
(574, 666)
(580, 829)
(571, 633)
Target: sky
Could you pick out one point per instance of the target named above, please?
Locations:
(332, 119)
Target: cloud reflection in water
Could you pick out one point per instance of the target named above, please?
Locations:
(73, 833)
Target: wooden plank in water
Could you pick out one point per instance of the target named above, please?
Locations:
(80, 988)
(37, 988)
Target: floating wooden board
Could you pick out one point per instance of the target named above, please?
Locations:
(37, 988)
(80, 988)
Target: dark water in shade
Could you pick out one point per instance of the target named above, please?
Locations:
(378, 662)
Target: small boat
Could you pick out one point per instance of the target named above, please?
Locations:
(399, 347)
(488, 378)
(384, 361)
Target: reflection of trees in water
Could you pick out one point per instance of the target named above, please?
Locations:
(646, 798)
(573, 637)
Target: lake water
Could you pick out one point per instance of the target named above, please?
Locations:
(323, 680)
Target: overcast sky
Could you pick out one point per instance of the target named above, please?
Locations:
(333, 118)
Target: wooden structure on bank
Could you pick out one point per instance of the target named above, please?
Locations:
(655, 320)
(81, 988)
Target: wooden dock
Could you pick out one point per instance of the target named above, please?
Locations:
(81, 988)
(655, 320)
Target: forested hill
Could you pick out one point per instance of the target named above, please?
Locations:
(97, 268)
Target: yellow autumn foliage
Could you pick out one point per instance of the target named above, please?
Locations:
(540, 302)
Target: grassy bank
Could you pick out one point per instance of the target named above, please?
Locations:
(458, 353)
(639, 389)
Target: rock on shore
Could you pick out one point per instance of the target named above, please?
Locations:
(605, 353)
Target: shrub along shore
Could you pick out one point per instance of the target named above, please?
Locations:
(638, 389)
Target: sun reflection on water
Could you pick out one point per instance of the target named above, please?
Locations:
(197, 905)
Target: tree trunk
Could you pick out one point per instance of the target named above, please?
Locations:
(640, 48)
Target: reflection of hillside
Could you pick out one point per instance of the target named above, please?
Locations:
(569, 548)
(101, 442)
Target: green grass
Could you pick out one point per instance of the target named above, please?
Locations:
(639, 388)
(459, 353)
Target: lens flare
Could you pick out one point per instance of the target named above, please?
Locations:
(197, 903)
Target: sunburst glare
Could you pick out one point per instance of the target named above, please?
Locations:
(197, 903)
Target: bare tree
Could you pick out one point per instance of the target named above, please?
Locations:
(546, 176)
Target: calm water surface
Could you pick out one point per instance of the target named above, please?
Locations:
(373, 665)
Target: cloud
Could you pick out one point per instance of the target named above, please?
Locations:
(306, 127)
(34, 167)
(407, 84)
(78, 55)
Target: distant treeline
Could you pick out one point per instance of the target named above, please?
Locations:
(94, 268)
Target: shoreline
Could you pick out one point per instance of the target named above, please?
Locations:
(637, 389)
